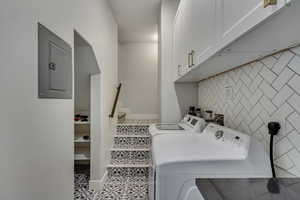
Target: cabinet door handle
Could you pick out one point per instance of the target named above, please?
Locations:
(192, 57)
(189, 59)
(269, 3)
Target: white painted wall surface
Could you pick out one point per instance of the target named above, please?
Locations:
(174, 99)
(36, 146)
(81, 79)
(138, 74)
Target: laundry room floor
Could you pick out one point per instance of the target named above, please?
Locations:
(128, 171)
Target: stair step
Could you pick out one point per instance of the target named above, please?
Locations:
(126, 149)
(128, 165)
(131, 147)
(139, 122)
(130, 162)
(128, 170)
(127, 129)
(131, 154)
(132, 142)
(132, 136)
(130, 157)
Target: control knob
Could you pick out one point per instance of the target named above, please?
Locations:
(219, 134)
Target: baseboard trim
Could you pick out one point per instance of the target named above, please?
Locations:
(142, 116)
(97, 185)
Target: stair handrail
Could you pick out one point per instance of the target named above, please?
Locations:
(112, 114)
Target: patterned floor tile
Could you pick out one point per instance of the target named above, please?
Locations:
(112, 192)
(137, 192)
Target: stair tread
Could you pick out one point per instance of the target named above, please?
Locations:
(128, 165)
(146, 162)
(132, 136)
(130, 149)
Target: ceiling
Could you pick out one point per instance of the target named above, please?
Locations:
(137, 19)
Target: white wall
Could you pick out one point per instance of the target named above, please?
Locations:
(85, 64)
(81, 80)
(174, 99)
(138, 74)
(37, 146)
(263, 91)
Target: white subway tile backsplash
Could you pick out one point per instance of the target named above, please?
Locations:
(280, 172)
(295, 83)
(296, 50)
(288, 128)
(277, 55)
(283, 112)
(294, 155)
(295, 64)
(246, 103)
(282, 62)
(245, 116)
(294, 137)
(255, 97)
(282, 147)
(268, 75)
(295, 171)
(263, 91)
(268, 105)
(246, 80)
(264, 116)
(237, 109)
(282, 95)
(267, 89)
(269, 61)
(294, 119)
(256, 110)
(283, 78)
(256, 124)
(284, 162)
(295, 102)
(256, 82)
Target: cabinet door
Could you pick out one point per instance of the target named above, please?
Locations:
(237, 17)
(180, 55)
(201, 27)
(176, 46)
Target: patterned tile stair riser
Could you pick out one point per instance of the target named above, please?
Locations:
(130, 157)
(128, 170)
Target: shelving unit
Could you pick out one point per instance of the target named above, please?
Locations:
(80, 122)
(82, 146)
(81, 156)
(81, 140)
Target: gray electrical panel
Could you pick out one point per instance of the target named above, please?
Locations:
(54, 65)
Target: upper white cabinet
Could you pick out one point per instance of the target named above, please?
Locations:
(236, 18)
(205, 29)
(235, 14)
(180, 40)
(194, 32)
(201, 26)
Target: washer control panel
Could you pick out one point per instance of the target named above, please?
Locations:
(228, 137)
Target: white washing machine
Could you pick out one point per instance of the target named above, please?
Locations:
(218, 152)
(189, 124)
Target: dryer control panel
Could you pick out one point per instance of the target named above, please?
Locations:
(193, 123)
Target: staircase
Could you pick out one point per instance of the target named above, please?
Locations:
(131, 153)
(130, 163)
